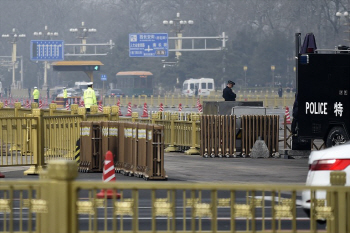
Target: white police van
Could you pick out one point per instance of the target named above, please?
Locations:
(203, 85)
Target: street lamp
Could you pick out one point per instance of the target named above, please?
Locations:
(82, 33)
(273, 76)
(13, 38)
(245, 68)
(346, 15)
(45, 35)
(178, 26)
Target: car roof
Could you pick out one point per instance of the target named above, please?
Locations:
(335, 152)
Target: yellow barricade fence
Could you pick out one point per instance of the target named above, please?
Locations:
(58, 203)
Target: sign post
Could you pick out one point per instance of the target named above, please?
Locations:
(103, 79)
(148, 45)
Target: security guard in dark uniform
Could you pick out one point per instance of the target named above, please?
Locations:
(227, 93)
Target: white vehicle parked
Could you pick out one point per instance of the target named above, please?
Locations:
(321, 164)
(202, 85)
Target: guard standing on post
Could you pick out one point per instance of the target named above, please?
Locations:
(65, 95)
(89, 97)
(227, 93)
(36, 95)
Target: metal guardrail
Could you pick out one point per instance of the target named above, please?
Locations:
(191, 102)
(58, 203)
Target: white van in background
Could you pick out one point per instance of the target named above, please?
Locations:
(203, 85)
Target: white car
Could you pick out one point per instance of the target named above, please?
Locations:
(321, 164)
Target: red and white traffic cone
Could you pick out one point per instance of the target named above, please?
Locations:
(6, 103)
(82, 104)
(145, 112)
(100, 108)
(198, 102)
(40, 104)
(129, 110)
(287, 116)
(120, 111)
(161, 108)
(108, 176)
(67, 105)
(27, 104)
(200, 109)
(180, 107)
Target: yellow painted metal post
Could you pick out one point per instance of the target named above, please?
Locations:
(74, 109)
(172, 101)
(82, 112)
(34, 105)
(158, 100)
(115, 112)
(134, 116)
(338, 178)
(17, 107)
(121, 101)
(37, 142)
(172, 147)
(93, 109)
(62, 215)
(107, 110)
(152, 102)
(52, 108)
(126, 100)
(275, 100)
(139, 102)
(132, 99)
(193, 102)
(193, 149)
(155, 116)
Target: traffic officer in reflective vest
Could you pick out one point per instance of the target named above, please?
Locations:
(65, 95)
(89, 97)
(36, 95)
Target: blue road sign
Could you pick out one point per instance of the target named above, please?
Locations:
(47, 50)
(148, 45)
(103, 77)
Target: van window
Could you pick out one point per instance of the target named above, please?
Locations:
(204, 86)
(185, 86)
(210, 86)
(192, 86)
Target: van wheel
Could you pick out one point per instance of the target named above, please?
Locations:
(336, 136)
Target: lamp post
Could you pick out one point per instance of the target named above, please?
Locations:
(346, 15)
(245, 68)
(13, 38)
(82, 33)
(273, 76)
(178, 26)
(45, 35)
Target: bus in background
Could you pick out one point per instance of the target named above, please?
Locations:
(203, 85)
(135, 82)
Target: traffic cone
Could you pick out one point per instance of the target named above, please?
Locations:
(129, 110)
(82, 104)
(200, 109)
(108, 176)
(6, 103)
(287, 116)
(40, 104)
(27, 104)
(67, 105)
(180, 107)
(100, 108)
(75, 100)
(145, 112)
(120, 111)
(198, 102)
(2, 175)
(161, 109)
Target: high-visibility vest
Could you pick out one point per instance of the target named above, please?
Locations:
(89, 97)
(36, 94)
(65, 94)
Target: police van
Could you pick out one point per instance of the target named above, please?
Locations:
(323, 92)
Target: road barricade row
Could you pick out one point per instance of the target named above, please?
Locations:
(138, 148)
(224, 136)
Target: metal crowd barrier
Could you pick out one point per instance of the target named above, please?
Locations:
(58, 203)
(138, 148)
(227, 135)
